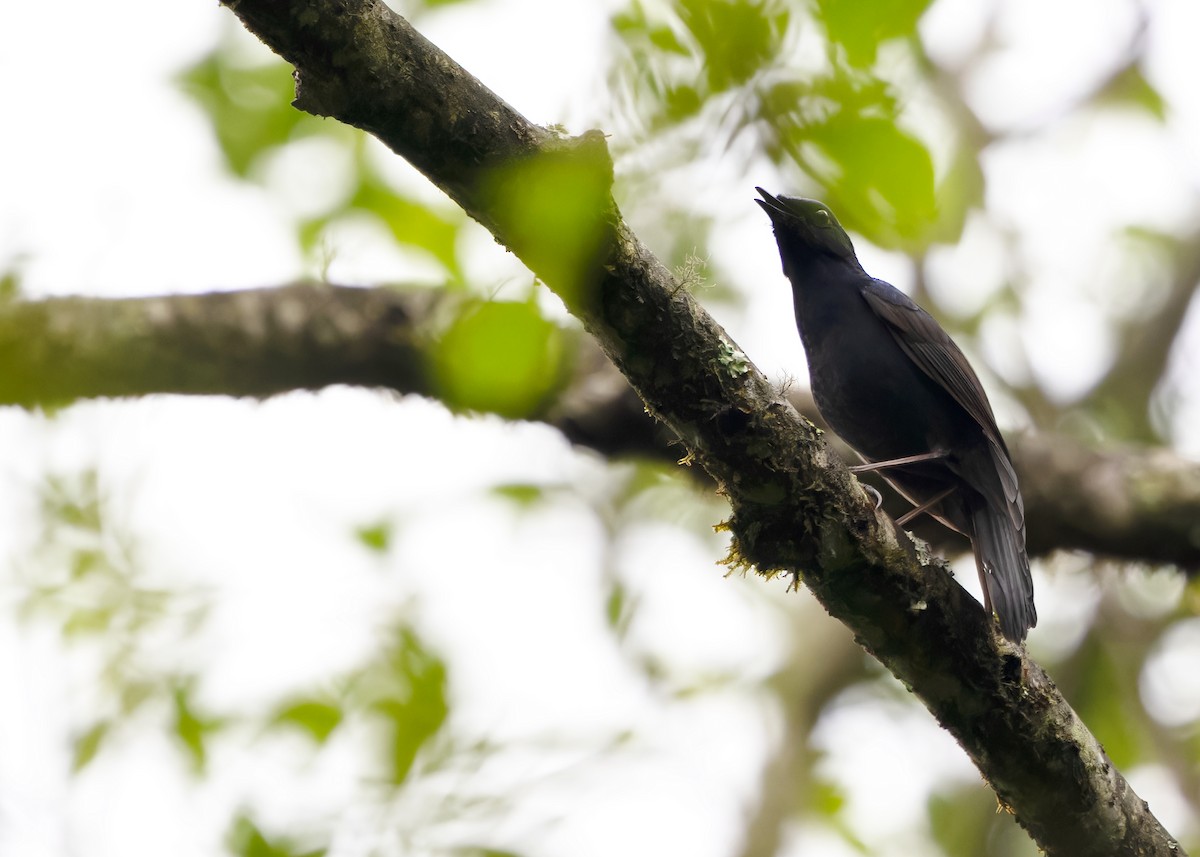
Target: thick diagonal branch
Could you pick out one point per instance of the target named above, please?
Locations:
(795, 509)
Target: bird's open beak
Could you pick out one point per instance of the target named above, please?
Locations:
(771, 205)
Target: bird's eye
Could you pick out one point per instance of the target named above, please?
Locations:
(821, 216)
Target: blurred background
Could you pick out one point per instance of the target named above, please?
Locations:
(354, 622)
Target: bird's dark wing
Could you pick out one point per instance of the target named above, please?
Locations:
(935, 354)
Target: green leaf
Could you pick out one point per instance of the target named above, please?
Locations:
(682, 102)
(827, 799)
(75, 501)
(410, 223)
(250, 107)
(191, 728)
(633, 26)
(737, 38)
(316, 718)
(860, 26)
(245, 839)
(664, 39)
(618, 607)
(133, 694)
(1129, 86)
(417, 708)
(502, 358)
(555, 209)
(881, 181)
(520, 493)
(960, 191)
(86, 746)
(88, 621)
(375, 537)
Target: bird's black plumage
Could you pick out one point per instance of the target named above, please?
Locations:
(892, 384)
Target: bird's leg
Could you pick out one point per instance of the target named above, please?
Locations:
(983, 584)
(924, 507)
(896, 462)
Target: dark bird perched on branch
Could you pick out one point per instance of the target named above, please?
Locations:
(893, 385)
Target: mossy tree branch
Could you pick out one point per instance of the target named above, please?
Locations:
(795, 509)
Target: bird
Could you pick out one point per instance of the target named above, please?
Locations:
(891, 383)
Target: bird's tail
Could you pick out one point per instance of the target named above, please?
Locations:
(1004, 570)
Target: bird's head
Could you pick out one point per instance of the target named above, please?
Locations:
(806, 228)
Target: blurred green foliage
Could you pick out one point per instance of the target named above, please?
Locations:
(962, 820)
(10, 283)
(1129, 86)
(410, 698)
(522, 495)
(84, 575)
(403, 688)
(87, 744)
(733, 39)
(1113, 714)
(883, 179)
(246, 839)
(409, 222)
(249, 105)
(501, 357)
(375, 537)
(733, 67)
(701, 50)
(191, 726)
(829, 93)
(859, 27)
(554, 208)
(315, 717)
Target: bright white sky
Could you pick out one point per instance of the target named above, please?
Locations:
(111, 184)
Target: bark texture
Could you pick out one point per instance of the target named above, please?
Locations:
(244, 343)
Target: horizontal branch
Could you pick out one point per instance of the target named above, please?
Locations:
(1128, 503)
(245, 343)
(1122, 503)
(1119, 502)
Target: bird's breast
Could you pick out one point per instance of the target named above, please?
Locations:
(869, 390)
